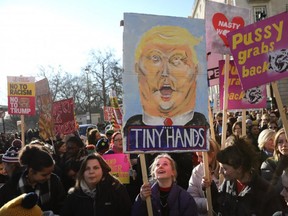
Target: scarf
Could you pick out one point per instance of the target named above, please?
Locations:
(87, 190)
(42, 190)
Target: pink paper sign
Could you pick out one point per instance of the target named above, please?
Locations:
(120, 166)
(220, 20)
(237, 98)
(260, 51)
(213, 68)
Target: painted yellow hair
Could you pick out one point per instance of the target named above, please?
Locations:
(171, 35)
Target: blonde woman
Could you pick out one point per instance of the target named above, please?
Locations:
(266, 143)
(197, 182)
(272, 168)
(167, 197)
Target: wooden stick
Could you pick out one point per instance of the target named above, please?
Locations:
(225, 101)
(206, 165)
(244, 122)
(211, 123)
(208, 190)
(23, 130)
(145, 180)
(280, 106)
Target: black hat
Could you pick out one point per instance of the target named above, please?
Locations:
(102, 145)
(17, 143)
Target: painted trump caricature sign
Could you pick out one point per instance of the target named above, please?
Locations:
(164, 60)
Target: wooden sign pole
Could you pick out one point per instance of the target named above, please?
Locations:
(225, 101)
(244, 122)
(23, 130)
(280, 106)
(145, 180)
(206, 165)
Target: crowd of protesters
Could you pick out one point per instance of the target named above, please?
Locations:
(70, 176)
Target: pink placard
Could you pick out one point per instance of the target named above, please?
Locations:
(120, 166)
(260, 51)
(253, 98)
(213, 68)
(220, 20)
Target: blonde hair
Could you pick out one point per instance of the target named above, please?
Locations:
(277, 153)
(172, 35)
(154, 165)
(264, 137)
(214, 148)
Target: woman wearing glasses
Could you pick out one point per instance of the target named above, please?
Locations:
(116, 145)
(272, 168)
(273, 125)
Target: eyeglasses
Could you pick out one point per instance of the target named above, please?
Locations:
(118, 139)
(273, 127)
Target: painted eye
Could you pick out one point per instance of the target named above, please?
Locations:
(155, 58)
(178, 60)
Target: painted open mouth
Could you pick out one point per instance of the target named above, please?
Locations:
(166, 92)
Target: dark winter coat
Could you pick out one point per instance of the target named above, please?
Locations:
(258, 198)
(111, 199)
(180, 203)
(272, 169)
(53, 186)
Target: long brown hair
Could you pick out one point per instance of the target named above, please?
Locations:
(105, 167)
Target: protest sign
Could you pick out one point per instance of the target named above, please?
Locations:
(120, 166)
(165, 84)
(21, 95)
(260, 51)
(253, 98)
(108, 113)
(220, 20)
(44, 104)
(213, 68)
(63, 116)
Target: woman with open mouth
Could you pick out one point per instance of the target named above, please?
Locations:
(167, 197)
